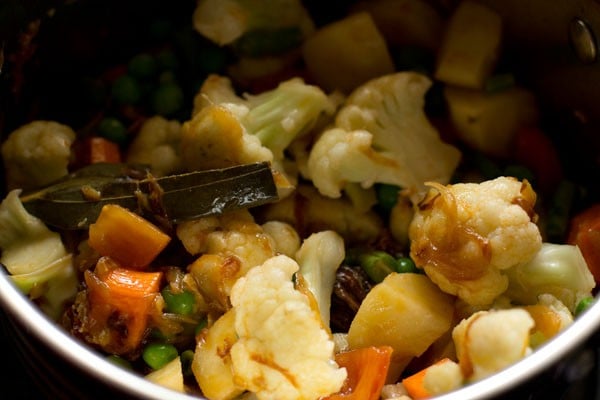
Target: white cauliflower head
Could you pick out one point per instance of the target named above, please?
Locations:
(37, 154)
(465, 236)
(282, 351)
(443, 377)
(227, 129)
(284, 235)
(489, 341)
(214, 138)
(157, 145)
(382, 134)
(228, 245)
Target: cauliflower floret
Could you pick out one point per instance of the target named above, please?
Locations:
(230, 245)
(465, 236)
(382, 134)
(214, 138)
(282, 352)
(489, 341)
(443, 377)
(227, 129)
(287, 240)
(37, 154)
(157, 145)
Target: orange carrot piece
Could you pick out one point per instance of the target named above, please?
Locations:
(585, 233)
(130, 283)
(95, 150)
(131, 240)
(415, 383)
(99, 149)
(367, 371)
(127, 293)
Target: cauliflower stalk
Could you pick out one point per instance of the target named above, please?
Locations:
(382, 134)
(157, 144)
(228, 130)
(466, 236)
(319, 257)
(280, 349)
(37, 154)
(557, 269)
(35, 257)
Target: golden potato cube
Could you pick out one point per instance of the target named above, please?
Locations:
(402, 22)
(405, 311)
(346, 53)
(470, 46)
(488, 122)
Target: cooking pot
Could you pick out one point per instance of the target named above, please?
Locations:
(554, 45)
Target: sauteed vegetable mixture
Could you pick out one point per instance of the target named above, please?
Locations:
(325, 205)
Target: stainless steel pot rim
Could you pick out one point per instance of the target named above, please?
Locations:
(22, 310)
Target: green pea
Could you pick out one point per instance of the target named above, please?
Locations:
(179, 303)
(583, 305)
(157, 355)
(126, 90)
(168, 99)
(377, 264)
(405, 264)
(142, 66)
(387, 195)
(112, 129)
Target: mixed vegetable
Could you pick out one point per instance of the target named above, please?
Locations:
(282, 200)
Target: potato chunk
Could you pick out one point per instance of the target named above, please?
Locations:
(488, 122)
(346, 53)
(405, 311)
(470, 47)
